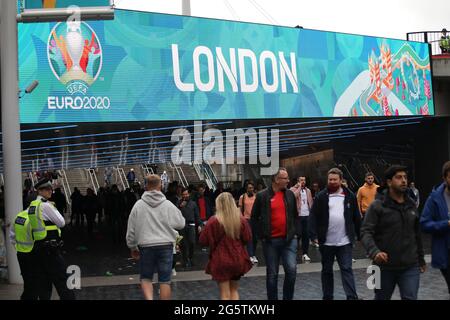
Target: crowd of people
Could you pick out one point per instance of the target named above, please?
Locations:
(285, 217)
(386, 220)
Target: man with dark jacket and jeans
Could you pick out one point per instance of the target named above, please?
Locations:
(273, 214)
(392, 238)
(334, 224)
(435, 219)
(190, 212)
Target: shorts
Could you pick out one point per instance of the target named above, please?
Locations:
(156, 259)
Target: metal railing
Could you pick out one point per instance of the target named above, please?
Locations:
(65, 184)
(431, 37)
(32, 177)
(209, 178)
(180, 174)
(198, 170)
(146, 170)
(92, 176)
(203, 176)
(120, 176)
(352, 180)
(212, 173)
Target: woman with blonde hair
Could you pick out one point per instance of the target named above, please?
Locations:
(226, 234)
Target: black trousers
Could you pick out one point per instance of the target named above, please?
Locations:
(188, 242)
(301, 229)
(53, 271)
(30, 270)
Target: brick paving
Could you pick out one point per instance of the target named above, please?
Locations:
(307, 287)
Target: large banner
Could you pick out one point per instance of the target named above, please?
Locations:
(147, 66)
(59, 4)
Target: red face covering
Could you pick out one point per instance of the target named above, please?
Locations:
(333, 188)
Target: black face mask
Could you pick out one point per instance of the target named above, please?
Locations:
(250, 194)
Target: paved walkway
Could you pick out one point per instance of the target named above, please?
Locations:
(196, 285)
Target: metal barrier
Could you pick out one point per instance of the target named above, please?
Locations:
(146, 170)
(352, 181)
(203, 176)
(180, 174)
(65, 184)
(431, 37)
(212, 173)
(30, 175)
(92, 176)
(122, 177)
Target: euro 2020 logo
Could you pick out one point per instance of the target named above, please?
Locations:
(75, 56)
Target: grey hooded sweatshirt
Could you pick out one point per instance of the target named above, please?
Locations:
(153, 221)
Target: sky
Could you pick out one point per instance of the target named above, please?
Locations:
(383, 18)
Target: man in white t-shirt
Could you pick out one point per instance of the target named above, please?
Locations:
(334, 224)
(304, 203)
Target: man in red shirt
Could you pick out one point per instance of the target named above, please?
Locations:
(274, 213)
(204, 204)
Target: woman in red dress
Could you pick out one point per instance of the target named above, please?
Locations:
(226, 234)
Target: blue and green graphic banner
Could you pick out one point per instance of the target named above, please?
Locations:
(49, 4)
(147, 66)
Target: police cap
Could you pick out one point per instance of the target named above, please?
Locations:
(43, 184)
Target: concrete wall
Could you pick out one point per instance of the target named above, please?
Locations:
(441, 67)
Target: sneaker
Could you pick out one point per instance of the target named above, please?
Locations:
(315, 245)
(174, 272)
(254, 260)
(306, 258)
(353, 260)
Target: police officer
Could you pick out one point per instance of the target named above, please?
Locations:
(22, 237)
(45, 222)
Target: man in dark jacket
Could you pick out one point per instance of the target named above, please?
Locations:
(334, 224)
(60, 201)
(392, 238)
(273, 214)
(190, 212)
(204, 204)
(436, 220)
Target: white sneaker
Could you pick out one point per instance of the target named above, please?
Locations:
(174, 272)
(315, 245)
(353, 260)
(306, 258)
(254, 260)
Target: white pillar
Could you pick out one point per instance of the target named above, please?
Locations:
(11, 128)
(186, 10)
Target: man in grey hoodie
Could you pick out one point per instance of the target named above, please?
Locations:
(151, 235)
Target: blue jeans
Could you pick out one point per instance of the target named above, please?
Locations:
(407, 280)
(274, 250)
(156, 259)
(343, 256)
